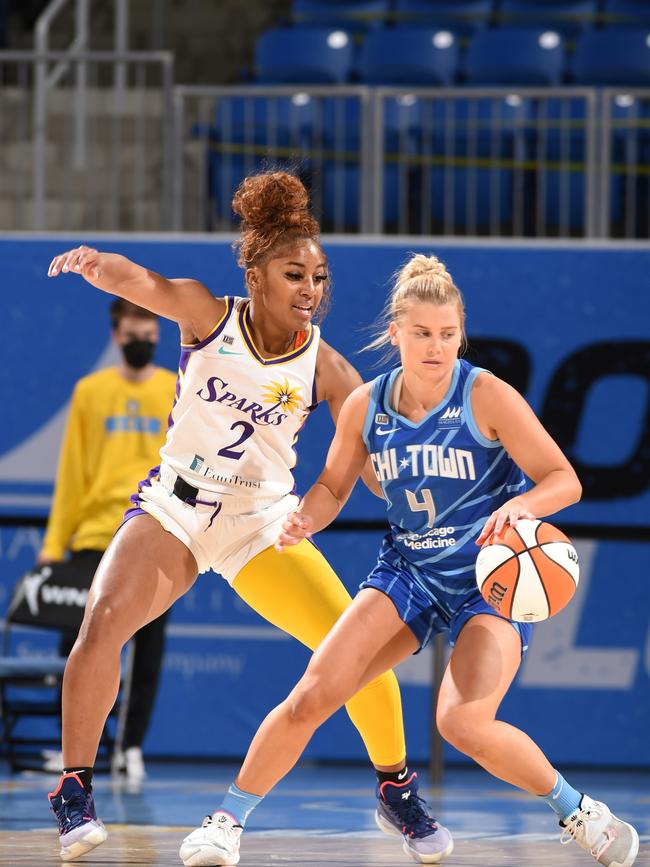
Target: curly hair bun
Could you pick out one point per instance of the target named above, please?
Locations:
(420, 264)
(271, 205)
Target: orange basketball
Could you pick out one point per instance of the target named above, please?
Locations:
(529, 572)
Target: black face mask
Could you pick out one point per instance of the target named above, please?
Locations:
(138, 353)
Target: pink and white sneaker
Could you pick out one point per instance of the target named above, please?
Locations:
(79, 828)
(598, 831)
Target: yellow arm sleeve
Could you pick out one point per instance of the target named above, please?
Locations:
(69, 488)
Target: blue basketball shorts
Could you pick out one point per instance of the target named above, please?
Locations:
(428, 611)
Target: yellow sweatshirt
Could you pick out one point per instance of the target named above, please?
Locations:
(114, 431)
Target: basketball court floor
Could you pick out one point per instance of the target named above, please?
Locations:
(318, 816)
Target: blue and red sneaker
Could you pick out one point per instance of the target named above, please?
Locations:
(79, 828)
(403, 813)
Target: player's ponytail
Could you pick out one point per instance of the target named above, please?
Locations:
(423, 279)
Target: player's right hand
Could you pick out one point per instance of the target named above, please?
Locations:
(82, 260)
(296, 527)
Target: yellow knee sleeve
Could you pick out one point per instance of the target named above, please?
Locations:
(299, 592)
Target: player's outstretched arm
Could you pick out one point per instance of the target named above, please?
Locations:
(502, 413)
(345, 460)
(185, 301)
(336, 378)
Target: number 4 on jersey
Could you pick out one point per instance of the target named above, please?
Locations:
(426, 504)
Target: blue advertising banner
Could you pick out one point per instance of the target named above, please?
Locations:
(583, 691)
(568, 326)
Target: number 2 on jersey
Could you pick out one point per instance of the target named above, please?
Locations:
(228, 451)
(425, 505)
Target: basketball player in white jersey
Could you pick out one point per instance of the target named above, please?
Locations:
(251, 369)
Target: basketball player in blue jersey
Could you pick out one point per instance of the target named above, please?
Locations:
(448, 443)
(251, 370)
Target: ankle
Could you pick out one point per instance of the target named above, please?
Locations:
(398, 777)
(239, 804)
(83, 774)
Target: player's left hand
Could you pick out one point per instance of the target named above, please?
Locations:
(508, 513)
(296, 527)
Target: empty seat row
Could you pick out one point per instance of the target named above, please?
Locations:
(462, 164)
(430, 57)
(465, 16)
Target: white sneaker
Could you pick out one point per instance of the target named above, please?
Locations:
(214, 844)
(129, 762)
(52, 761)
(134, 765)
(608, 839)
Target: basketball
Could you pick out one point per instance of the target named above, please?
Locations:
(529, 572)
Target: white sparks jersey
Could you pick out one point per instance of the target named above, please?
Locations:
(237, 415)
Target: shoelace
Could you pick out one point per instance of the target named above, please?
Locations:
(575, 828)
(416, 822)
(209, 820)
(75, 808)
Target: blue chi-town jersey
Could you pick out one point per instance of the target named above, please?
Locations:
(441, 479)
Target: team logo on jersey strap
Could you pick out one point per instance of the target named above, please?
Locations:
(453, 415)
(285, 397)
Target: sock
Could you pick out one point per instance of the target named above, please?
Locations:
(84, 774)
(239, 804)
(562, 798)
(398, 777)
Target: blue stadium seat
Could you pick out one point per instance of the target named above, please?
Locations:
(626, 13)
(614, 56)
(333, 142)
(560, 151)
(462, 16)
(515, 55)
(402, 124)
(629, 185)
(470, 183)
(356, 16)
(304, 55)
(566, 16)
(248, 119)
(249, 133)
(409, 55)
(322, 134)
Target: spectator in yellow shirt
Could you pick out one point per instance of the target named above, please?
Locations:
(116, 426)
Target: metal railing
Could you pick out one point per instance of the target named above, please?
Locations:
(625, 163)
(538, 162)
(222, 134)
(566, 162)
(124, 179)
(486, 161)
(46, 80)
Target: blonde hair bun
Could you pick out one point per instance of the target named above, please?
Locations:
(419, 265)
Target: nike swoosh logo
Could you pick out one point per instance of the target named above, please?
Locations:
(402, 775)
(382, 433)
(223, 351)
